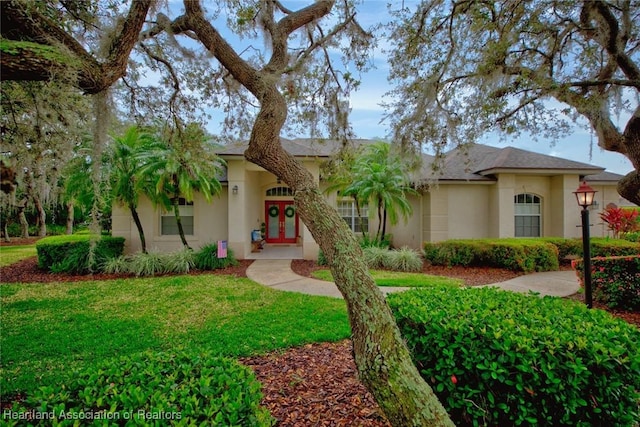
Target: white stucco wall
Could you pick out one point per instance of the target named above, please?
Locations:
(210, 225)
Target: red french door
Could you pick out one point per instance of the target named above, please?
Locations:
(281, 221)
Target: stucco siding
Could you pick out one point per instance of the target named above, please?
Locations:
(408, 233)
(468, 212)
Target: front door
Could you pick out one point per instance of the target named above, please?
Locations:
(282, 222)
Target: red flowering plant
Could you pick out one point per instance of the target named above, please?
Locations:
(620, 220)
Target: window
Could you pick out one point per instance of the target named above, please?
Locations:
(527, 215)
(169, 225)
(279, 191)
(347, 210)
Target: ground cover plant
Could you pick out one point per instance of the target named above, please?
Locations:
(49, 330)
(185, 388)
(399, 279)
(503, 358)
(12, 254)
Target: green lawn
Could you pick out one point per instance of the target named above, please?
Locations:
(395, 278)
(11, 254)
(50, 330)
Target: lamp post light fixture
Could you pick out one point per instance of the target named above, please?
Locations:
(234, 190)
(584, 196)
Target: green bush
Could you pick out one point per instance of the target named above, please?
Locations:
(632, 237)
(502, 359)
(207, 258)
(613, 247)
(376, 257)
(404, 259)
(181, 262)
(615, 281)
(77, 253)
(515, 254)
(149, 264)
(158, 389)
(604, 247)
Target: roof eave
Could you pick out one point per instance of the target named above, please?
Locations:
(541, 171)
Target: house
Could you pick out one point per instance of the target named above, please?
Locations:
(480, 192)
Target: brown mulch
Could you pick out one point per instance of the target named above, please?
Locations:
(312, 385)
(315, 385)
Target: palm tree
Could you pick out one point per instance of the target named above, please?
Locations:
(126, 180)
(340, 172)
(380, 177)
(182, 163)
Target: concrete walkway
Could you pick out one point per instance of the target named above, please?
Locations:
(277, 274)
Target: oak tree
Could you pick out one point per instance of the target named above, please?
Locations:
(463, 68)
(289, 78)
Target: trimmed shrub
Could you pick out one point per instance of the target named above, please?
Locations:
(404, 259)
(515, 254)
(502, 358)
(158, 389)
(77, 253)
(207, 258)
(632, 237)
(615, 281)
(613, 247)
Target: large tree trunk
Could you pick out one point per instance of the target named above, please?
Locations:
(22, 62)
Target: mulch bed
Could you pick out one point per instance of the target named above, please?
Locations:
(312, 385)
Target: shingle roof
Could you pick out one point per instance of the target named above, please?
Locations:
(300, 147)
(478, 162)
(604, 176)
(472, 162)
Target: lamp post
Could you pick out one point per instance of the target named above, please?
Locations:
(584, 195)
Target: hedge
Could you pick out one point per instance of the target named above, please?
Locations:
(514, 254)
(77, 253)
(155, 389)
(615, 281)
(500, 358)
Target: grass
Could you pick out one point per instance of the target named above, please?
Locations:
(12, 254)
(395, 278)
(50, 330)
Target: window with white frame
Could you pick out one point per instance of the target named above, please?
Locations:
(348, 211)
(527, 215)
(168, 223)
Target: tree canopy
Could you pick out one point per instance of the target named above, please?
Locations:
(463, 68)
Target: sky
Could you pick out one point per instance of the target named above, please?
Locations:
(367, 114)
